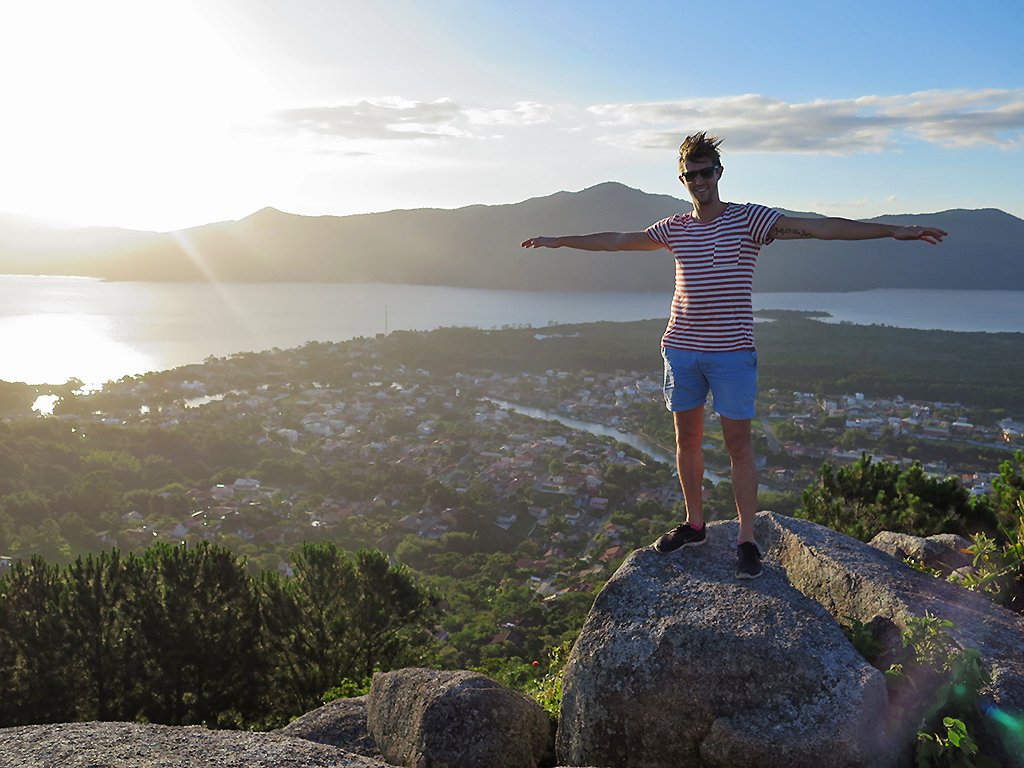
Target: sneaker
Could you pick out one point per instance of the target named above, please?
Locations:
(683, 535)
(748, 561)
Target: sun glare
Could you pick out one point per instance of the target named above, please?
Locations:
(119, 110)
(227, 299)
(53, 348)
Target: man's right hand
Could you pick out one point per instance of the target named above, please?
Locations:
(541, 242)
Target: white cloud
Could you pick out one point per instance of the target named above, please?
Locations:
(522, 113)
(396, 119)
(377, 119)
(750, 122)
(755, 123)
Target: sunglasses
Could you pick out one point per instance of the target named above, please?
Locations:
(704, 173)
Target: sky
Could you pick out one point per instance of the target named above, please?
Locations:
(166, 114)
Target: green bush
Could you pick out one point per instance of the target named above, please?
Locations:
(547, 689)
(347, 689)
(958, 676)
(998, 569)
(868, 496)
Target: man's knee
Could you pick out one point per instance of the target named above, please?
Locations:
(740, 452)
(738, 439)
(689, 429)
(688, 442)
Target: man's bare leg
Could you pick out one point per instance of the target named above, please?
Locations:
(739, 443)
(690, 461)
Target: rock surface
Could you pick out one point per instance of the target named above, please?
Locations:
(851, 579)
(424, 718)
(341, 723)
(129, 745)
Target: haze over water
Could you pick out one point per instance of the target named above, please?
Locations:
(56, 328)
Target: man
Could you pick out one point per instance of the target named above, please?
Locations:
(709, 342)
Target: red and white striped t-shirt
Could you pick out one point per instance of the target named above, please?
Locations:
(712, 309)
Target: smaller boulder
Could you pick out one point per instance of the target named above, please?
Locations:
(426, 718)
(944, 552)
(341, 723)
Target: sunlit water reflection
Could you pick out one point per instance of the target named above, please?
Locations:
(55, 347)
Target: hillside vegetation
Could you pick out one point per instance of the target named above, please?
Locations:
(336, 509)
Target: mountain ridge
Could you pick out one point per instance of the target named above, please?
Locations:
(477, 246)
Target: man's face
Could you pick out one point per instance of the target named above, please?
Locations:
(700, 177)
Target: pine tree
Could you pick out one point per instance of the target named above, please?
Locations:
(306, 618)
(104, 633)
(37, 674)
(199, 621)
(340, 617)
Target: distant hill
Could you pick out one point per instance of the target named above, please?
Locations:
(478, 246)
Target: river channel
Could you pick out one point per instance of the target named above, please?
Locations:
(645, 447)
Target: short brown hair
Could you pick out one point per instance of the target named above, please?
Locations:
(698, 147)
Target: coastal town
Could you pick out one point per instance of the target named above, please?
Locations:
(418, 455)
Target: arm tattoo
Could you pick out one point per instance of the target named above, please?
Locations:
(792, 231)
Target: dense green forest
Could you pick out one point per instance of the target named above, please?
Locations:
(183, 634)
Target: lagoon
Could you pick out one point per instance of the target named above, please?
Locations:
(56, 328)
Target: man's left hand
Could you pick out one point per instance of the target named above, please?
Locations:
(931, 235)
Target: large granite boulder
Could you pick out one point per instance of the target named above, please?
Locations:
(945, 552)
(680, 665)
(341, 723)
(130, 745)
(425, 718)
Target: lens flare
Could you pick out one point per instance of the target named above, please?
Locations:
(1012, 723)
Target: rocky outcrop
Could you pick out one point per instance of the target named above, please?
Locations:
(341, 723)
(424, 718)
(680, 665)
(945, 552)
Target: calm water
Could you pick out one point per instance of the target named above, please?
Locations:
(54, 328)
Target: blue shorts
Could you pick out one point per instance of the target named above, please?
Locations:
(731, 377)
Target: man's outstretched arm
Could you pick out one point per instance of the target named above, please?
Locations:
(793, 228)
(599, 241)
